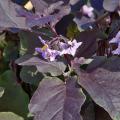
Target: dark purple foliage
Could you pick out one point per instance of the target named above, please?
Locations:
(55, 100)
(68, 56)
(101, 85)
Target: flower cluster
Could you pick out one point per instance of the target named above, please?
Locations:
(116, 39)
(46, 52)
(86, 10)
(69, 47)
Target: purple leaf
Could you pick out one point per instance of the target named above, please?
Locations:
(49, 6)
(39, 20)
(112, 64)
(55, 68)
(89, 44)
(8, 16)
(45, 12)
(55, 8)
(36, 20)
(102, 85)
(55, 100)
(42, 5)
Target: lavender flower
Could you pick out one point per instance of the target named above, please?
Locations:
(116, 39)
(46, 52)
(88, 11)
(65, 48)
(71, 47)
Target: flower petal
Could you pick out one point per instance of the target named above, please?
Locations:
(38, 50)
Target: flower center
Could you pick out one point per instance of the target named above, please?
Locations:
(44, 47)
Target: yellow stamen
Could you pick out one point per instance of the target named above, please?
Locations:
(28, 5)
(45, 47)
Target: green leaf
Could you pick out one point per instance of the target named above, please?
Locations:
(3, 43)
(10, 116)
(28, 42)
(1, 91)
(10, 52)
(30, 75)
(72, 31)
(14, 99)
